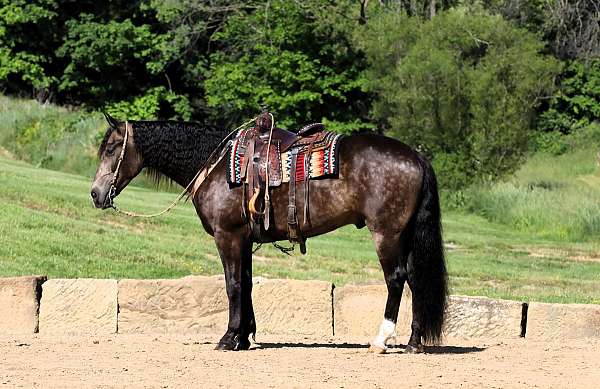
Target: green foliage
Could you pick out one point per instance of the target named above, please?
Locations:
(50, 137)
(462, 87)
(21, 58)
(577, 102)
(290, 64)
(149, 105)
(117, 52)
(550, 143)
(114, 56)
(57, 138)
(156, 59)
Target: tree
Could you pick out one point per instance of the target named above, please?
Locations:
(23, 60)
(462, 87)
(282, 54)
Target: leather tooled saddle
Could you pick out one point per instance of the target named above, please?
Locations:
(265, 156)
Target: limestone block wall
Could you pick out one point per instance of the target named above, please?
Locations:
(198, 304)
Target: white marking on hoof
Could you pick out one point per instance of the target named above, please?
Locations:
(377, 350)
(387, 330)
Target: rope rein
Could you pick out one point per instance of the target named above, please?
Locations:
(267, 198)
(205, 168)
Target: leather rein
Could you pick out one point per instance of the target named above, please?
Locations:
(194, 184)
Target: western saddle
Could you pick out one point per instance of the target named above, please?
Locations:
(261, 169)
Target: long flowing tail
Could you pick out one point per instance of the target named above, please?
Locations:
(427, 267)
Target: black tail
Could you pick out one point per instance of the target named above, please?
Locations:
(427, 267)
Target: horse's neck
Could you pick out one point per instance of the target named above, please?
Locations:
(182, 177)
(177, 156)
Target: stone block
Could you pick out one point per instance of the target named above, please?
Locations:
(87, 306)
(19, 304)
(359, 312)
(482, 317)
(188, 305)
(562, 321)
(359, 309)
(293, 307)
(199, 305)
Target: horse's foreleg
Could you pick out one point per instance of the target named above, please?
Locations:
(232, 249)
(248, 321)
(389, 253)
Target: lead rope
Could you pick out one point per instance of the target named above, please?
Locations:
(113, 189)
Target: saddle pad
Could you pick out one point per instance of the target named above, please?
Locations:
(237, 152)
(324, 159)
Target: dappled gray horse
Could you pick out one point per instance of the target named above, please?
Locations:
(382, 184)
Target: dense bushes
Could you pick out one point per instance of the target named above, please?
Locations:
(287, 57)
(216, 60)
(463, 87)
(577, 103)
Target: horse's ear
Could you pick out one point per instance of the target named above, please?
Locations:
(114, 123)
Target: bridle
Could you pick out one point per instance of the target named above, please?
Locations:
(112, 191)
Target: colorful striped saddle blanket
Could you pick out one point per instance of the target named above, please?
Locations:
(323, 159)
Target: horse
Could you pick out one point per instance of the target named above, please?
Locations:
(382, 184)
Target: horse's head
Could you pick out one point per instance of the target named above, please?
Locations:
(120, 162)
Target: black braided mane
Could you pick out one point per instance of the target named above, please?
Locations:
(172, 148)
(175, 147)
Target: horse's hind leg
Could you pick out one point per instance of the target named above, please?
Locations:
(415, 344)
(390, 253)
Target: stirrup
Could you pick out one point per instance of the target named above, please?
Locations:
(252, 203)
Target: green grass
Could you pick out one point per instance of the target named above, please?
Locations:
(552, 196)
(50, 136)
(54, 137)
(49, 226)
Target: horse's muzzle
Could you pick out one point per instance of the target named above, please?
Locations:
(100, 199)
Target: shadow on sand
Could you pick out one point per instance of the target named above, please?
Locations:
(394, 349)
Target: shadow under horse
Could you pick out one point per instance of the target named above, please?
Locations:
(382, 184)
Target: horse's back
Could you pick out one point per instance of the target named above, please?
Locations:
(378, 182)
(379, 163)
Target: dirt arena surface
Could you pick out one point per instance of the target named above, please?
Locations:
(146, 361)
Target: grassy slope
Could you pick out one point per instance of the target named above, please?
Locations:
(48, 226)
(552, 196)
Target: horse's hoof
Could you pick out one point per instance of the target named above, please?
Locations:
(236, 344)
(376, 350)
(243, 345)
(410, 349)
(224, 347)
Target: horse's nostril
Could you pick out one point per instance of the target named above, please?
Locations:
(94, 195)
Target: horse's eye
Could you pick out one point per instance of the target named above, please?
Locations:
(110, 150)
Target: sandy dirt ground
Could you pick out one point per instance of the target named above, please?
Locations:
(147, 361)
